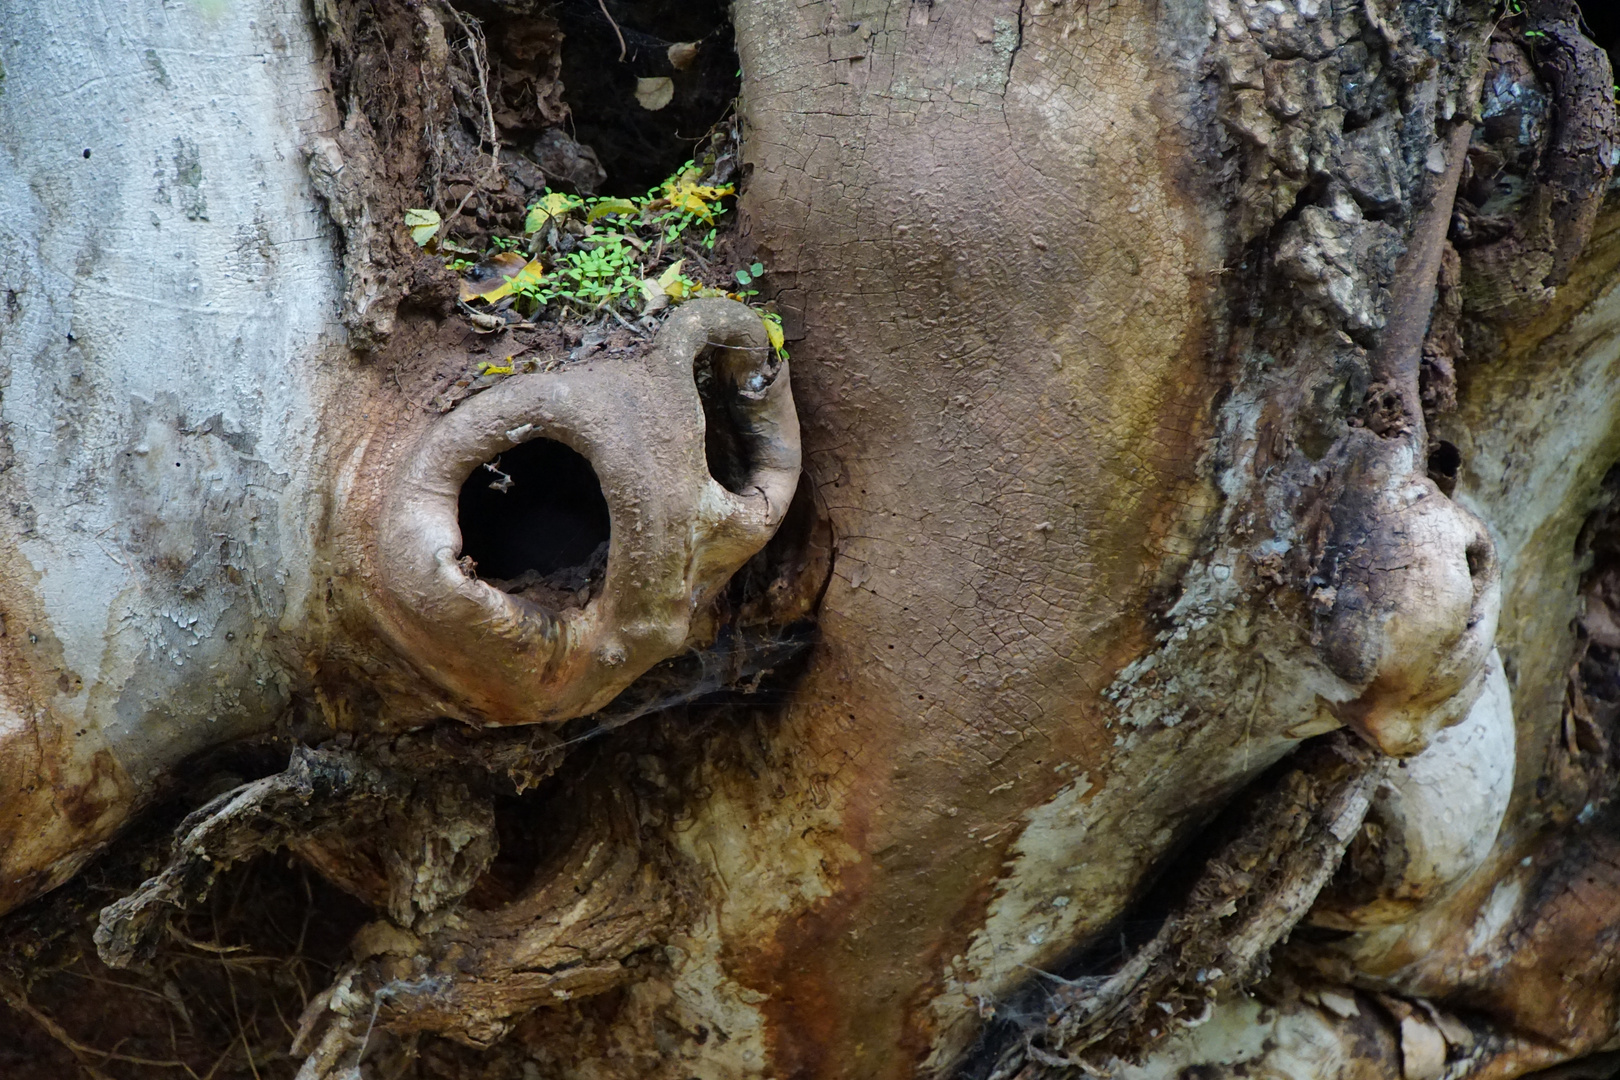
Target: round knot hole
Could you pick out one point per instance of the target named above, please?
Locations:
(535, 523)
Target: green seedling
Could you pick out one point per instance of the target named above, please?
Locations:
(608, 254)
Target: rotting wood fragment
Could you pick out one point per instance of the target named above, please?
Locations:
(319, 789)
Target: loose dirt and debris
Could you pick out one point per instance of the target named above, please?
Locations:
(454, 133)
(578, 276)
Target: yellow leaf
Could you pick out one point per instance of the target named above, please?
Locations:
(531, 274)
(502, 276)
(424, 225)
(612, 206)
(773, 331)
(672, 275)
(553, 204)
(695, 199)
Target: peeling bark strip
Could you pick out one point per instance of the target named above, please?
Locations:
(1248, 898)
(1398, 360)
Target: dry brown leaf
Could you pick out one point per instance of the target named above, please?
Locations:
(492, 276)
(654, 94)
(682, 54)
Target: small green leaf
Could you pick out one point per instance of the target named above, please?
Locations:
(757, 269)
(743, 277)
(605, 207)
(424, 225)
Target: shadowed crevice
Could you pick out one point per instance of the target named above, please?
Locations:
(726, 449)
(606, 57)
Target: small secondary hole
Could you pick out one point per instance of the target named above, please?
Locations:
(1445, 462)
(1479, 557)
(535, 523)
(725, 448)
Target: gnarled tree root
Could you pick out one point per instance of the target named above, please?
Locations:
(319, 790)
(568, 935)
(409, 836)
(1247, 899)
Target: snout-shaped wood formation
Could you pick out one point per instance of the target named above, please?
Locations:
(1408, 601)
(677, 533)
(1433, 821)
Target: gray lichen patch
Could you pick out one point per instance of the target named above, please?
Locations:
(1342, 262)
(188, 180)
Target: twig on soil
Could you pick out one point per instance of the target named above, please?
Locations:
(17, 998)
(616, 31)
(203, 946)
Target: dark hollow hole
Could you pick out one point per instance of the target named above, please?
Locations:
(1602, 20)
(1445, 462)
(1478, 557)
(639, 147)
(517, 823)
(549, 526)
(725, 448)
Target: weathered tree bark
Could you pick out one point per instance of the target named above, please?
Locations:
(1196, 465)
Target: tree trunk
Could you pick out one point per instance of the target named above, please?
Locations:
(1158, 623)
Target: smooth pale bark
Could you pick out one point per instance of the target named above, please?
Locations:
(171, 291)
